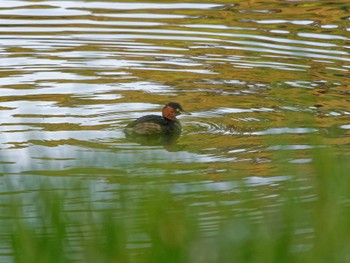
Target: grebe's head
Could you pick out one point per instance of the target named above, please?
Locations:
(171, 110)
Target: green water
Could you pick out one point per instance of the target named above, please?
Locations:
(250, 178)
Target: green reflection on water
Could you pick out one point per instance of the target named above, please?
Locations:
(102, 215)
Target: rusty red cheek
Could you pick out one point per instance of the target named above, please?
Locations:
(169, 113)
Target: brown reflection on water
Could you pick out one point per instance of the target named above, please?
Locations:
(254, 74)
(267, 82)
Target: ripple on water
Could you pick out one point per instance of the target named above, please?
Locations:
(285, 130)
(131, 6)
(74, 73)
(98, 64)
(147, 16)
(210, 128)
(282, 21)
(40, 12)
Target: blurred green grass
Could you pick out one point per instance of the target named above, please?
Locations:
(64, 222)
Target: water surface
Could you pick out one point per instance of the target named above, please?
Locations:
(262, 79)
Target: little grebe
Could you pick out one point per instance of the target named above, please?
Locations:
(149, 125)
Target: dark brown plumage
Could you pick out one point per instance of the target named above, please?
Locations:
(157, 125)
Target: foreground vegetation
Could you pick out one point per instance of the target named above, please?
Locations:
(305, 219)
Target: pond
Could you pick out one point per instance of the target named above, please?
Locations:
(266, 83)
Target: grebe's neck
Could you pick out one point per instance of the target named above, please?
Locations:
(169, 113)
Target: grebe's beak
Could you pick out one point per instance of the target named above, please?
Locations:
(182, 111)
